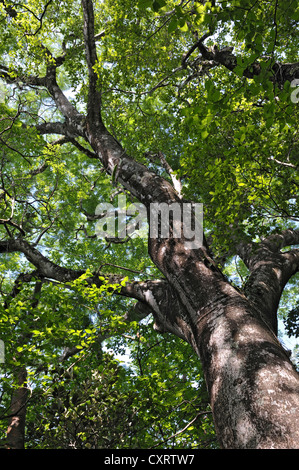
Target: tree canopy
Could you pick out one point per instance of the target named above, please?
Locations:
(203, 95)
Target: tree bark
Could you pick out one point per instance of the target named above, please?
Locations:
(278, 72)
(16, 427)
(253, 387)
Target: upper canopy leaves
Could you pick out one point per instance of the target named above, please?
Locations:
(202, 90)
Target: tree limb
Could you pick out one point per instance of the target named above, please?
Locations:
(46, 268)
(270, 270)
(61, 128)
(94, 96)
(280, 73)
(280, 240)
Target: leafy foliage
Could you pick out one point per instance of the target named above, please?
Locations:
(233, 142)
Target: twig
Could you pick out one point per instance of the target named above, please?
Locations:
(184, 429)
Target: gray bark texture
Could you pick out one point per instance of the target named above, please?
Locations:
(253, 386)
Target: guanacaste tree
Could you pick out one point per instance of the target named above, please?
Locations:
(168, 102)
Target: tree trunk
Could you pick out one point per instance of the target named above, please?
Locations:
(16, 427)
(253, 387)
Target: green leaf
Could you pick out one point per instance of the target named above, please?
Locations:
(158, 4)
(173, 24)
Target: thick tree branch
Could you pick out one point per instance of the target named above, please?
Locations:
(15, 77)
(94, 95)
(274, 243)
(45, 268)
(73, 117)
(156, 297)
(69, 131)
(280, 73)
(270, 270)
(64, 105)
(280, 240)
(61, 128)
